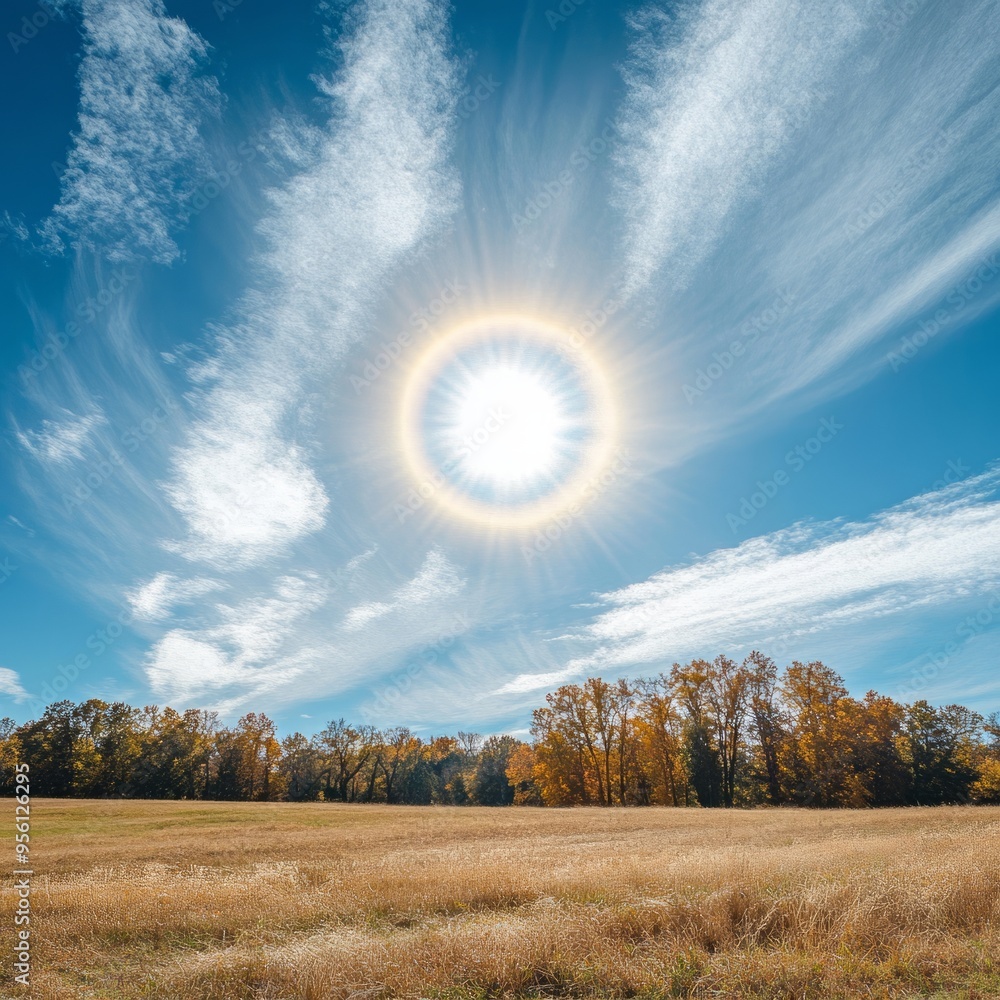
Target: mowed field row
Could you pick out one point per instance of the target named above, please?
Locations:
(314, 901)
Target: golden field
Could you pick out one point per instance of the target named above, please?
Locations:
(257, 900)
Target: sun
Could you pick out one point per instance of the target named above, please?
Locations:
(504, 419)
(508, 426)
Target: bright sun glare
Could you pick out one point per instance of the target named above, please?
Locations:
(510, 424)
(504, 419)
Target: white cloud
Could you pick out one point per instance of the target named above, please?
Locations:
(933, 552)
(817, 151)
(371, 189)
(361, 615)
(713, 93)
(182, 665)
(437, 580)
(244, 496)
(523, 683)
(239, 648)
(282, 647)
(10, 226)
(10, 685)
(156, 599)
(30, 532)
(61, 441)
(138, 151)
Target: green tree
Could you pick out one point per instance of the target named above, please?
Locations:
(941, 750)
(301, 768)
(10, 754)
(704, 761)
(49, 746)
(766, 722)
(491, 785)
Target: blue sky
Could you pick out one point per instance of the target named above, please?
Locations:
(232, 235)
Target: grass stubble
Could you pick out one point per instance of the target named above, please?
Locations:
(186, 900)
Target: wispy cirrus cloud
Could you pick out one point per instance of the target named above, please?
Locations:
(230, 479)
(486, 677)
(438, 579)
(714, 90)
(289, 644)
(803, 150)
(373, 187)
(62, 440)
(933, 553)
(10, 685)
(158, 598)
(138, 150)
(368, 192)
(243, 645)
(524, 683)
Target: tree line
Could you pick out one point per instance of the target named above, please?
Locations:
(706, 733)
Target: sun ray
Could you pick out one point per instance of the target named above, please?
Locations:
(509, 417)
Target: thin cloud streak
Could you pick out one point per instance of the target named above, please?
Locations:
(925, 555)
(805, 153)
(157, 599)
(713, 93)
(10, 685)
(61, 441)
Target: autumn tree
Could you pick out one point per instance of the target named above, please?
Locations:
(248, 760)
(560, 768)
(10, 754)
(878, 751)
(49, 746)
(709, 733)
(406, 773)
(346, 750)
(177, 754)
(448, 763)
(521, 776)
(818, 749)
(727, 694)
(659, 728)
(301, 768)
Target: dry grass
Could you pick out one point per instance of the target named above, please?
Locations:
(199, 900)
